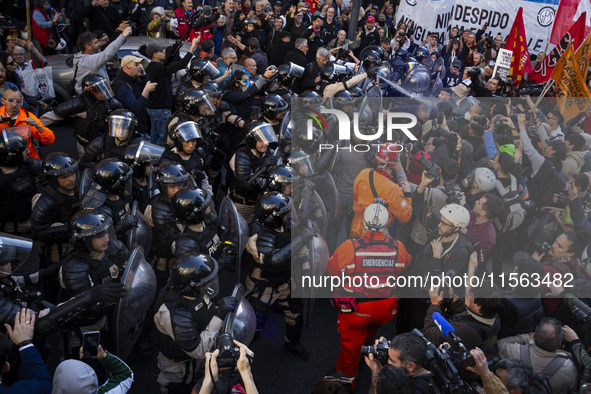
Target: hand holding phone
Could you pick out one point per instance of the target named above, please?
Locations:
(90, 343)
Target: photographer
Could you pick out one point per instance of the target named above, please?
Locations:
(539, 349)
(511, 376)
(212, 372)
(408, 352)
(75, 376)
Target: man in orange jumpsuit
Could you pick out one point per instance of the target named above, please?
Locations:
(373, 183)
(379, 257)
(12, 103)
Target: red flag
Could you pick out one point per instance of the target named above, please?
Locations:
(516, 42)
(568, 12)
(576, 35)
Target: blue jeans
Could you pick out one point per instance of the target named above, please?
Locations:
(159, 119)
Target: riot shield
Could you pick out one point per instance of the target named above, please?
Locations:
(439, 67)
(374, 98)
(241, 323)
(437, 87)
(328, 192)
(365, 51)
(418, 81)
(140, 289)
(92, 199)
(311, 207)
(318, 261)
(140, 235)
(86, 180)
(153, 189)
(15, 251)
(234, 230)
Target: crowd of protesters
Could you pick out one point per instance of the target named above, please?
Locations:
(176, 151)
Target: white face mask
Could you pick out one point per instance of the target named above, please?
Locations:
(25, 35)
(467, 116)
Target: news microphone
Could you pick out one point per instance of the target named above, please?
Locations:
(443, 325)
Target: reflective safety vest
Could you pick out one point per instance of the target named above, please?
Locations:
(378, 259)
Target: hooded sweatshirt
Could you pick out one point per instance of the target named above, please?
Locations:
(573, 162)
(77, 377)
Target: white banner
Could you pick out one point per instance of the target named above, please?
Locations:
(441, 15)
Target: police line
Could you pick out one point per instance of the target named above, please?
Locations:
(441, 15)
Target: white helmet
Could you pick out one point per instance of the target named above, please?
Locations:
(375, 216)
(158, 10)
(456, 214)
(485, 179)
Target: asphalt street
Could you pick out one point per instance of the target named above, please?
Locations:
(275, 369)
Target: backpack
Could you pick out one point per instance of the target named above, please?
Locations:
(540, 383)
(513, 213)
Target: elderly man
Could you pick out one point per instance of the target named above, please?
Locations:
(91, 60)
(12, 104)
(312, 76)
(341, 43)
(132, 88)
(228, 59)
(298, 54)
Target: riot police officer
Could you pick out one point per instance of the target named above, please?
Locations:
(287, 74)
(280, 179)
(97, 100)
(171, 177)
(142, 158)
(188, 150)
(270, 279)
(273, 110)
(200, 72)
(185, 309)
(13, 253)
(251, 161)
(17, 182)
(96, 257)
(52, 210)
(122, 126)
(110, 193)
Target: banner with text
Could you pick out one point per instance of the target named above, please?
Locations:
(441, 15)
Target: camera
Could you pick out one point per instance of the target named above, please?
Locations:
(542, 247)
(432, 169)
(453, 191)
(580, 316)
(380, 351)
(445, 364)
(533, 90)
(480, 120)
(229, 352)
(562, 197)
(501, 127)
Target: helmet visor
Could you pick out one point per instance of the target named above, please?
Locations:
(212, 288)
(100, 90)
(302, 165)
(188, 131)
(24, 131)
(121, 126)
(339, 69)
(100, 241)
(264, 133)
(14, 251)
(148, 153)
(206, 106)
(210, 70)
(295, 71)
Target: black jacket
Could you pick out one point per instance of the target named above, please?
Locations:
(162, 97)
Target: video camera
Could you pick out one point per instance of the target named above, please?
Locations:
(532, 90)
(443, 364)
(562, 197)
(541, 247)
(453, 191)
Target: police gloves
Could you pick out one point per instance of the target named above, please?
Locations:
(225, 306)
(128, 222)
(270, 161)
(108, 292)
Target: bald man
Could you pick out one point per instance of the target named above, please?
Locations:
(250, 67)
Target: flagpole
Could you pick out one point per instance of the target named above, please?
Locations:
(544, 91)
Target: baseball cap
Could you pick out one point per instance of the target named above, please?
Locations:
(130, 59)
(301, 4)
(100, 34)
(153, 48)
(559, 147)
(382, 17)
(371, 19)
(457, 63)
